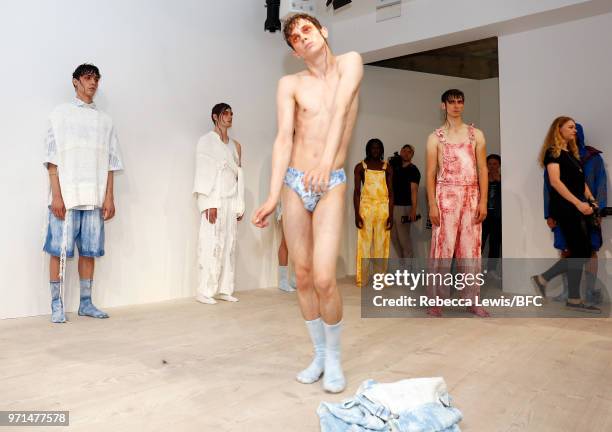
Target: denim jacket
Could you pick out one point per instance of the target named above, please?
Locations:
(362, 413)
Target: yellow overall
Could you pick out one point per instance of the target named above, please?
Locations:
(373, 237)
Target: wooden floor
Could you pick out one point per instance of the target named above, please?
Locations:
(184, 366)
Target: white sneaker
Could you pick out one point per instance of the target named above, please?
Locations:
(206, 300)
(227, 297)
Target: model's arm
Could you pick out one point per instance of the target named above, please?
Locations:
(483, 175)
(281, 152)
(108, 208)
(283, 144)
(414, 197)
(546, 195)
(346, 93)
(546, 190)
(115, 163)
(431, 170)
(588, 194)
(389, 180)
(554, 175)
(357, 195)
(57, 202)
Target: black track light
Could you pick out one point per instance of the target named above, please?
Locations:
(272, 20)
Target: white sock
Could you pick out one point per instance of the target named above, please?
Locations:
(314, 371)
(333, 380)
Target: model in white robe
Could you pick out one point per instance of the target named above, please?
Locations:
(218, 184)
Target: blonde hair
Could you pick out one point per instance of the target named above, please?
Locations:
(554, 142)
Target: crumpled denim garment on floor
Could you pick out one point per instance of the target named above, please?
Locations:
(411, 405)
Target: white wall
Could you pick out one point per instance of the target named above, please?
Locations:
(558, 70)
(429, 24)
(164, 65)
(400, 107)
(489, 113)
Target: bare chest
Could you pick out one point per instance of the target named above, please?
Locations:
(315, 98)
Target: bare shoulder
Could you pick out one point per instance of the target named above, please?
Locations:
(351, 58)
(479, 134)
(432, 143)
(350, 63)
(289, 82)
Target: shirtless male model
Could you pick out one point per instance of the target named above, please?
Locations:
(316, 114)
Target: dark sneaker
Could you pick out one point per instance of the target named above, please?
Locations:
(581, 307)
(540, 288)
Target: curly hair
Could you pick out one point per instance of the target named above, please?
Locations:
(554, 142)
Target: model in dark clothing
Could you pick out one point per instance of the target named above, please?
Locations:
(570, 202)
(492, 225)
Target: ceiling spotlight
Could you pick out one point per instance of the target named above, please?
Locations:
(272, 20)
(337, 4)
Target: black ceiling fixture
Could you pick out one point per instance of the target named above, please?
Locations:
(272, 20)
(337, 4)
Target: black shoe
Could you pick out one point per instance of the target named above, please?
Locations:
(539, 287)
(581, 307)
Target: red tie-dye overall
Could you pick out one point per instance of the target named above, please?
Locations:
(457, 194)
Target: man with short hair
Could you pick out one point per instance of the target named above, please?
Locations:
(406, 178)
(457, 184)
(82, 156)
(316, 114)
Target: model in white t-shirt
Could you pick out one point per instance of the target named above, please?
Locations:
(82, 153)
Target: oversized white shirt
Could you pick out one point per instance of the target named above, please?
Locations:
(218, 173)
(82, 143)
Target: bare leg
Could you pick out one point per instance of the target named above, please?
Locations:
(54, 267)
(86, 267)
(283, 253)
(327, 229)
(297, 224)
(285, 283)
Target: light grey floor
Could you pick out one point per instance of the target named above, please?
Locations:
(184, 366)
